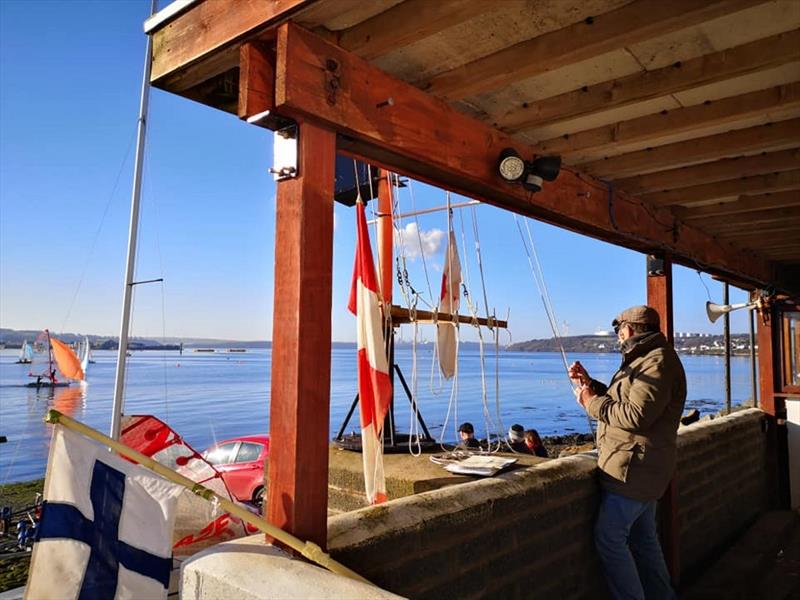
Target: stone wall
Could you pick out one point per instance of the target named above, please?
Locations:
(529, 532)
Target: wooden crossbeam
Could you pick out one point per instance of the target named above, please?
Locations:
(423, 137)
(256, 79)
(729, 168)
(677, 121)
(748, 58)
(406, 23)
(401, 315)
(757, 184)
(743, 204)
(788, 227)
(761, 138)
(210, 28)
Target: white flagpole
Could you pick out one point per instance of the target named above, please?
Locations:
(119, 383)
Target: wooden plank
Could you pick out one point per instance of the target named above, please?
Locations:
(761, 138)
(401, 315)
(774, 215)
(729, 168)
(423, 137)
(748, 58)
(677, 121)
(603, 33)
(406, 23)
(743, 204)
(757, 184)
(786, 230)
(211, 26)
(300, 394)
(256, 79)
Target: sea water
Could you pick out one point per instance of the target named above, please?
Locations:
(209, 397)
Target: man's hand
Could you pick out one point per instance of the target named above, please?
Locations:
(583, 395)
(578, 374)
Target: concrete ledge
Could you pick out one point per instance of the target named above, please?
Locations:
(251, 569)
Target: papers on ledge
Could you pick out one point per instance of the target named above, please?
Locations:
(484, 466)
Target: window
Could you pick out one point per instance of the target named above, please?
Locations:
(222, 455)
(792, 348)
(248, 452)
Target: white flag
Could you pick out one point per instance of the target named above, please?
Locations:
(106, 526)
(448, 303)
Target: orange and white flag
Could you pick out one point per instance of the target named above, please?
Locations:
(448, 303)
(374, 382)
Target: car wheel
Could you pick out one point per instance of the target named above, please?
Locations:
(258, 499)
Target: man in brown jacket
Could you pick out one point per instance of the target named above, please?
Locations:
(638, 414)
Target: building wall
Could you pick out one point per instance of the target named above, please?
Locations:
(529, 532)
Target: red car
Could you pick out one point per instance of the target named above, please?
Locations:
(241, 462)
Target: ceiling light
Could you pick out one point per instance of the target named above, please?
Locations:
(511, 166)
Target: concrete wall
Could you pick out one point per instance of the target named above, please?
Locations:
(530, 532)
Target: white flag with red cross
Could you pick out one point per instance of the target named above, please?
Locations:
(448, 303)
(374, 383)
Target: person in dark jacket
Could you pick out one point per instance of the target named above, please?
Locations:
(534, 443)
(467, 433)
(516, 439)
(638, 414)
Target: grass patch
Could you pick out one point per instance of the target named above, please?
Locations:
(14, 570)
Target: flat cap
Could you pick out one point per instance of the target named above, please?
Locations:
(467, 427)
(645, 315)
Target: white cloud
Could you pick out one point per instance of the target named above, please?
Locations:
(415, 242)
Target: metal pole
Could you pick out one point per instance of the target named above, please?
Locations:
(727, 343)
(119, 383)
(753, 375)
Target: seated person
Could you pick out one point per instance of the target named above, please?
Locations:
(534, 443)
(468, 440)
(516, 439)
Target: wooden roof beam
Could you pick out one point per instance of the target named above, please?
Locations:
(761, 138)
(677, 121)
(211, 27)
(729, 168)
(769, 231)
(423, 137)
(726, 64)
(622, 27)
(774, 215)
(757, 184)
(743, 204)
(406, 23)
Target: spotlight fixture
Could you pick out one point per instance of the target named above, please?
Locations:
(511, 166)
(531, 175)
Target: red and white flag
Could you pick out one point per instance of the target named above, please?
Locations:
(448, 303)
(374, 383)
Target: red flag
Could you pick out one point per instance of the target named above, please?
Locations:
(374, 384)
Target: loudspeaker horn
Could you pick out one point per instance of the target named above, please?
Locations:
(715, 311)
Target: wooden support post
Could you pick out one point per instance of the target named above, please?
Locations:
(385, 236)
(301, 341)
(769, 379)
(659, 296)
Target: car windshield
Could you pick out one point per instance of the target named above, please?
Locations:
(248, 452)
(222, 455)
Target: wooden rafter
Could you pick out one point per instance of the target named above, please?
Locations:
(774, 215)
(406, 23)
(741, 60)
(209, 28)
(743, 204)
(424, 137)
(625, 26)
(678, 121)
(786, 230)
(761, 138)
(757, 184)
(769, 162)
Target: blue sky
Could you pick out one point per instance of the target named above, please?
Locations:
(70, 74)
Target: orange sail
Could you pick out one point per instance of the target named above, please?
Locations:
(68, 363)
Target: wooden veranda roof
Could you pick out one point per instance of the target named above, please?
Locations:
(685, 113)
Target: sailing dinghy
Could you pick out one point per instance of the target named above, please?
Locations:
(25, 354)
(58, 360)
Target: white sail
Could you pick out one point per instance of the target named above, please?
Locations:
(25, 353)
(84, 351)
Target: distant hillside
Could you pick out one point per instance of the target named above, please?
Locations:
(686, 343)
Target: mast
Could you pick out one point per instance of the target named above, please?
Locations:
(119, 383)
(50, 375)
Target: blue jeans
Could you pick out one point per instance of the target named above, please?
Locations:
(627, 542)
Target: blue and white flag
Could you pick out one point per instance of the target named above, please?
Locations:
(106, 526)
